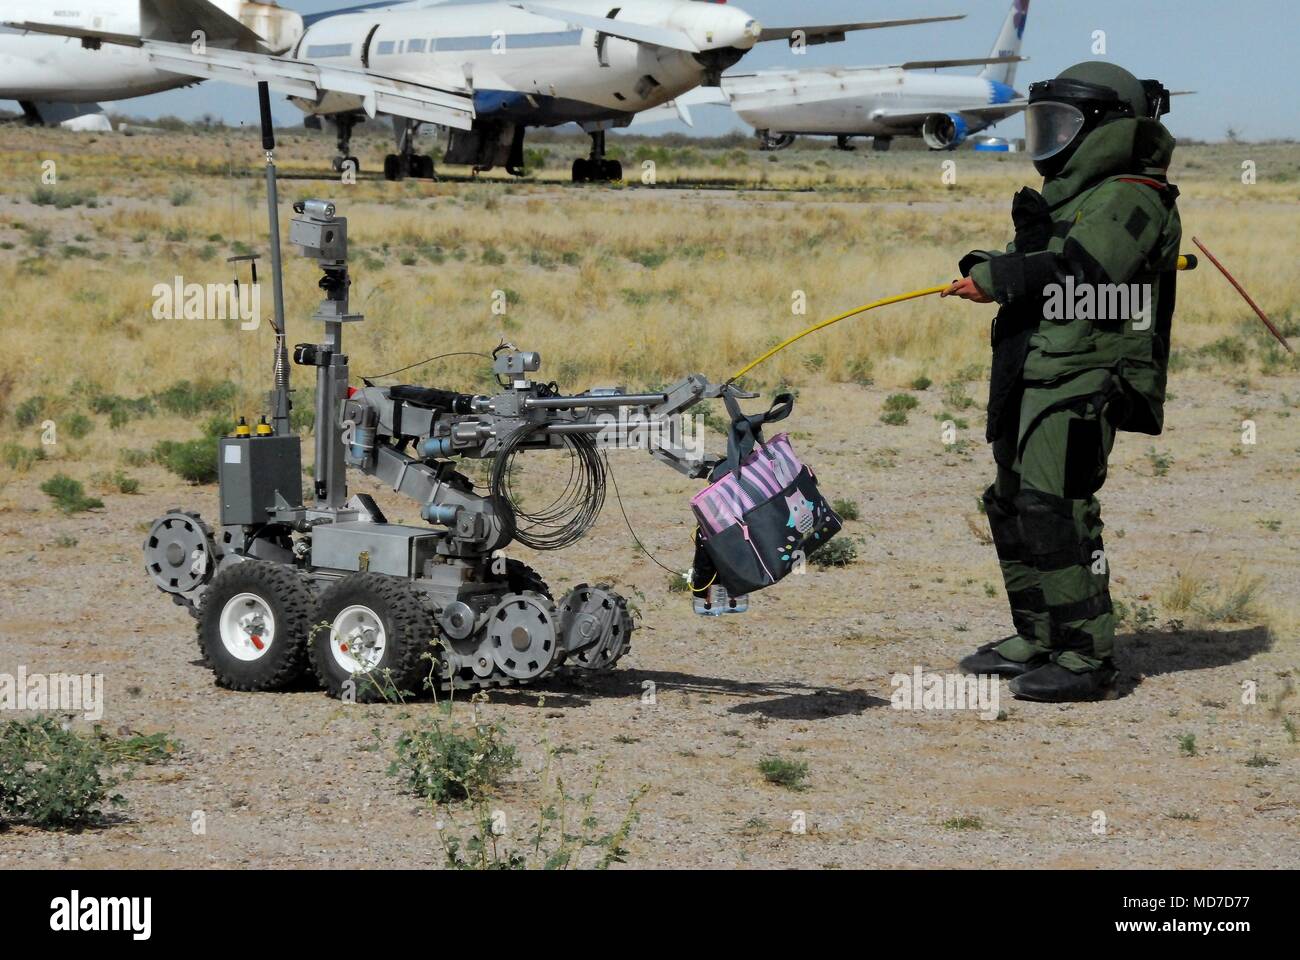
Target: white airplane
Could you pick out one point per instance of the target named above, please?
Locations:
(880, 102)
(57, 80)
(523, 64)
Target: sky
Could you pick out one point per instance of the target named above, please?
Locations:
(1238, 55)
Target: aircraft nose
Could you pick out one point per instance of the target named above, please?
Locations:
(725, 26)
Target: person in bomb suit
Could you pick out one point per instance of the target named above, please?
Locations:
(1080, 351)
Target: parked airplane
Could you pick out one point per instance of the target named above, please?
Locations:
(56, 80)
(880, 102)
(525, 64)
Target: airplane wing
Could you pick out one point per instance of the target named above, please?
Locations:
(626, 30)
(173, 20)
(679, 108)
(450, 105)
(940, 64)
(903, 117)
(834, 32)
(905, 65)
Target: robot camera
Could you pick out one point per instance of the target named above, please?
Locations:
(318, 232)
(517, 362)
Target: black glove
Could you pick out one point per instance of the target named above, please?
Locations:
(1033, 220)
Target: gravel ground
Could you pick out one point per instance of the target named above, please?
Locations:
(295, 779)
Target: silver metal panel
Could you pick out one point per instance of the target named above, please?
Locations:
(388, 548)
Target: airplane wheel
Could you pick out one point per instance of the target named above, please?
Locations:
(338, 164)
(611, 170)
(426, 168)
(581, 170)
(354, 163)
(392, 167)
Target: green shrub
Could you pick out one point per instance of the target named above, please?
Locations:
(442, 764)
(847, 509)
(839, 552)
(51, 777)
(190, 399)
(78, 425)
(901, 401)
(29, 411)
(922, 383)
(19, 458)
(117, 480)
(69, 495)
(194, 460)
(63, 199)
(784, 773)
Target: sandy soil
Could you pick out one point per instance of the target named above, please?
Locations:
(291, 780)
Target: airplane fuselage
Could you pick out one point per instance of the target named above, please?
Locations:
(532, 69)
(39, 67)
(860, 102)
(57, 68)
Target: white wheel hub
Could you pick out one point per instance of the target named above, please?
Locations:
(357, 639)
(247, 626)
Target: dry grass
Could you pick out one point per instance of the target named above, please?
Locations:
(630, 285)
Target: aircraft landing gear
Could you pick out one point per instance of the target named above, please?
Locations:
(768, 142)
(406, 162)
(596, 168)
(345, 158)
(844, 142)
(401, 166)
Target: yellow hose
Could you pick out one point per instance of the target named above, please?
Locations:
(843, 316)
(1185, 262)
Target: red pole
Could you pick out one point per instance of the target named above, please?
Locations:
(1246, 296)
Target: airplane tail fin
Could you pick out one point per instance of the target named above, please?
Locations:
(1008, 44)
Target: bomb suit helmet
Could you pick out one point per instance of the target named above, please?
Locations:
(1063, 111)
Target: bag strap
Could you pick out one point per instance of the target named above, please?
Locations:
(747, 430)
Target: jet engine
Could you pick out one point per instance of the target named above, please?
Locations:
(944, 131)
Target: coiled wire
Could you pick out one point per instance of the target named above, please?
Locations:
(573, 512)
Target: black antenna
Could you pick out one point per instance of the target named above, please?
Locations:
(280, 394)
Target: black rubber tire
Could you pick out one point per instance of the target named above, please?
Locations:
(290, 601)
(393, 167)
(408, 625)
(581, 170)
(611, 170)
(520, 577)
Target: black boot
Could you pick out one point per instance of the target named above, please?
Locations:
(987, 660)
(1053, 683)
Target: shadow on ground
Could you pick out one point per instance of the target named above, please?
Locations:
(1156, 652)
(786, 700)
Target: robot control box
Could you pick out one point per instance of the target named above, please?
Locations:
(251, 471)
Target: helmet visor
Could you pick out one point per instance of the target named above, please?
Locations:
(1050, 127)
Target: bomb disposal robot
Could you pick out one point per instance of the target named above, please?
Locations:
(280, 586)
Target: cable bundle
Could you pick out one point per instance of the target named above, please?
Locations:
(572, 513)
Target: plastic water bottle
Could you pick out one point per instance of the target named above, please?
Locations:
(715, 601)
